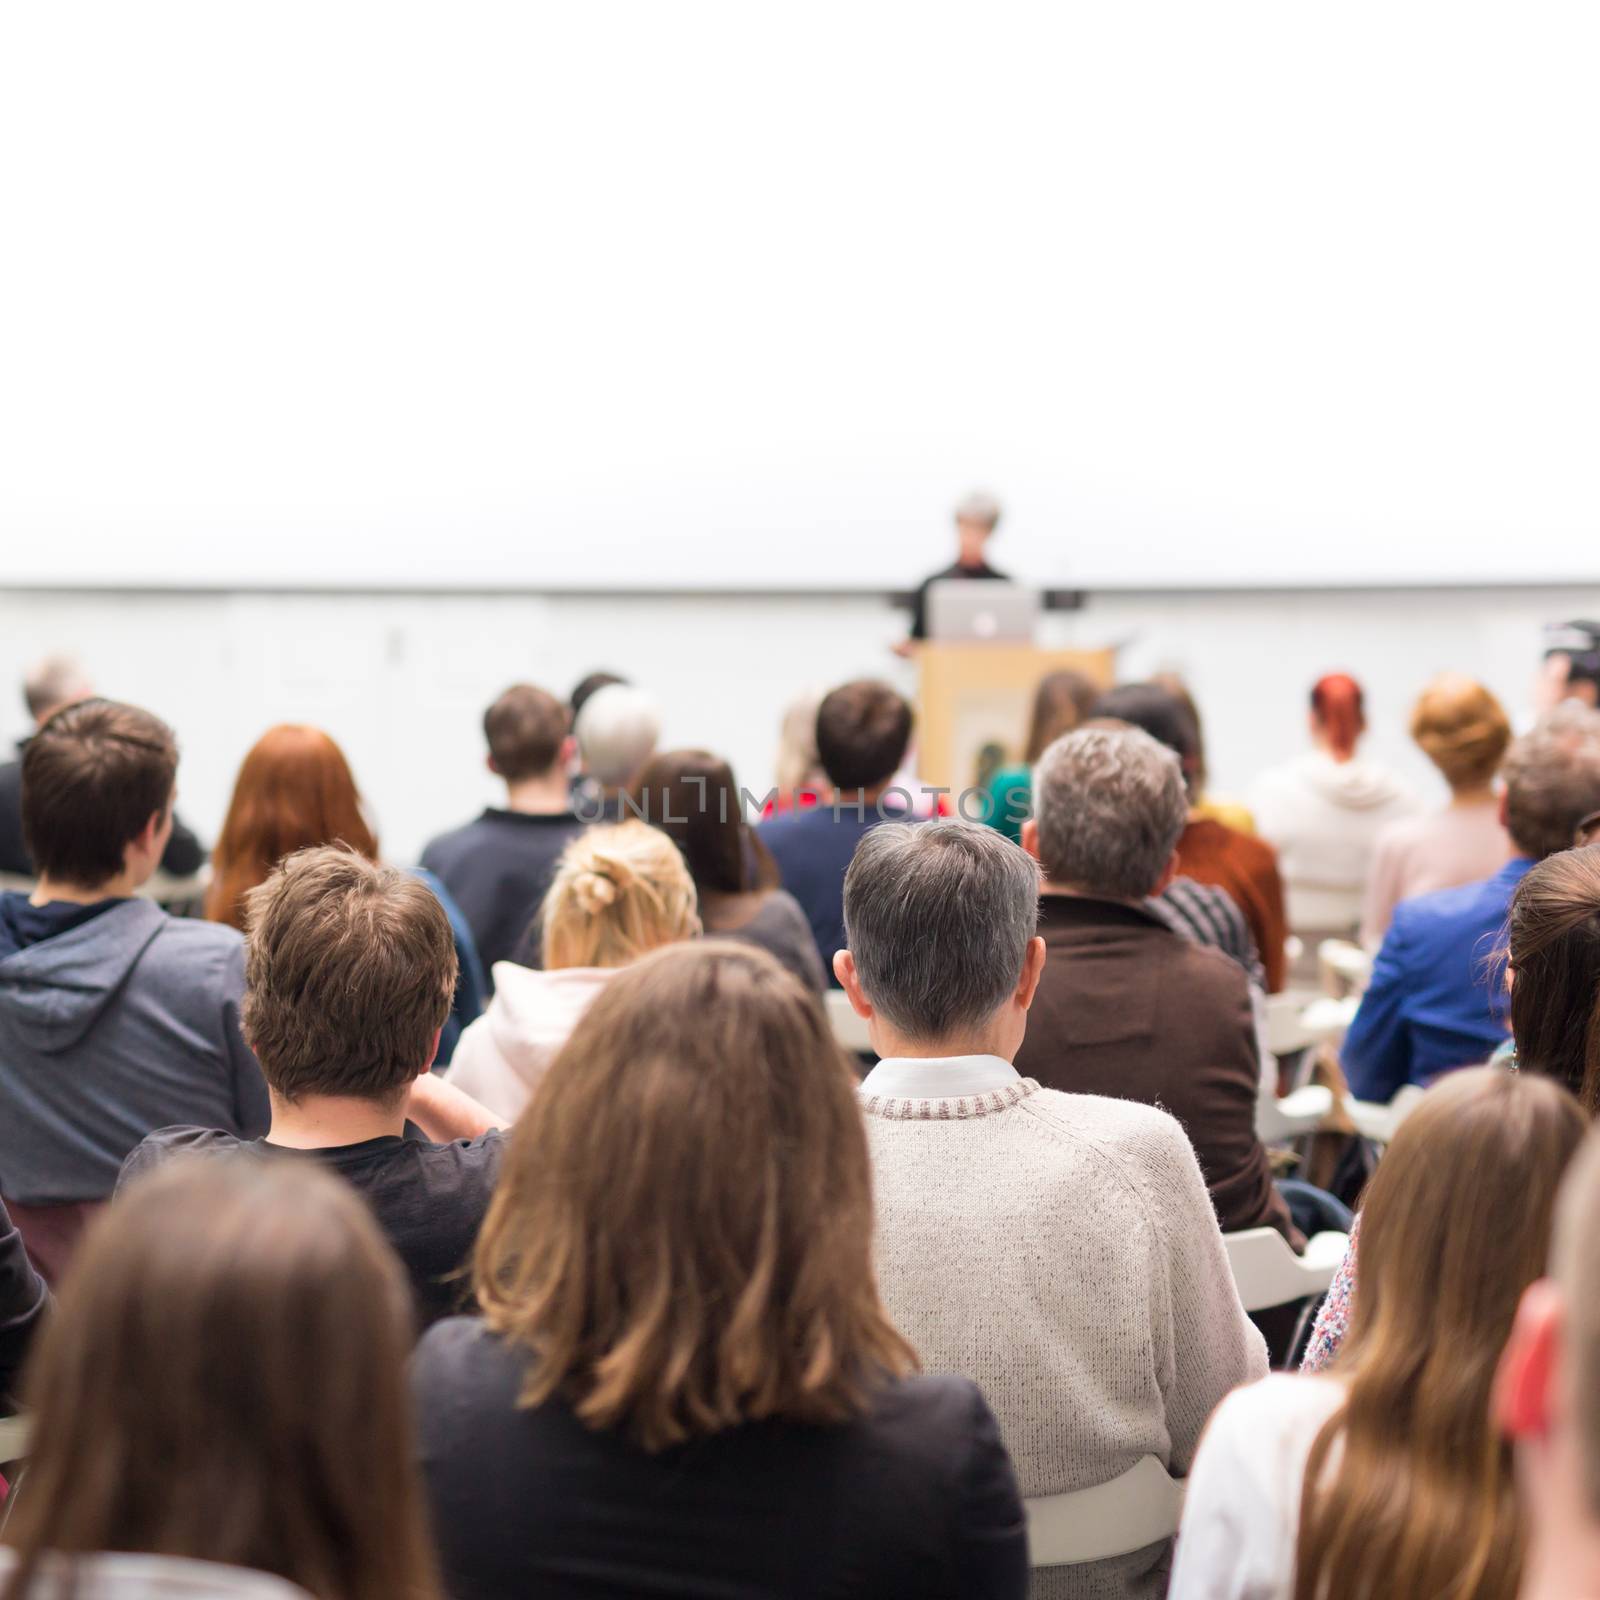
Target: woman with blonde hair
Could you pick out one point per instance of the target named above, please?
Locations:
(219, 1403)
(1386, 1477)
(295, 789)
(1464, 731)
(619, 892)
(683, 1380)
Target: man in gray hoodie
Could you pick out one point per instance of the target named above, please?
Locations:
(115, 1018)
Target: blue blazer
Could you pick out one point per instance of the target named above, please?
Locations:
(1437, 998)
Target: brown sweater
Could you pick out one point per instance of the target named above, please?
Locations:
(1128, 1008)
(1247, 867)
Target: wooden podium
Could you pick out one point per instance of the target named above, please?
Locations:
(977, 695)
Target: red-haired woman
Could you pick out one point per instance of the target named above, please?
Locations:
(1323, 812)
(296, 789)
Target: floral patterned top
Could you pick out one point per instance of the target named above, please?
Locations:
(1333, 1319)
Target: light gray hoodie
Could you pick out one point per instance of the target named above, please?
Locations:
(126, 1023)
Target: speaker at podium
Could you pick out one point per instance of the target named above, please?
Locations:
(977, 673)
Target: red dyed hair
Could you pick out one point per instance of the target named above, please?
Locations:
(1336, 703)
(294, 789)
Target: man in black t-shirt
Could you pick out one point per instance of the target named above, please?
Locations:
(349, 973)
(977, 516)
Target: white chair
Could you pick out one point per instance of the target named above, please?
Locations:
(1293, 1115)
(1379, 1122)
(1137, 1509)
(1344, 965)
(15, 1435)
(1268, 1273)
(849, 1030)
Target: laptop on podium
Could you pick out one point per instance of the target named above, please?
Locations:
(983, 611)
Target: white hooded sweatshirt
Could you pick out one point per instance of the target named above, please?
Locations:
(1324, 816)
(501, 1057)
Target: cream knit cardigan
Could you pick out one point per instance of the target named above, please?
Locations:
(1061, 1250)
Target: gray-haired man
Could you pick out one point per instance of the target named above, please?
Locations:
(1128, 1007)
(1059, 1249)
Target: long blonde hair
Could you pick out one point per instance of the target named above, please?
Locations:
(618, 893)
(1408, 1489)
(681, 1238)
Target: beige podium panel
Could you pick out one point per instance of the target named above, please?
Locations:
(975, 697)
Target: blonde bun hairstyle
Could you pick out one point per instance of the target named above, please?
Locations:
(1462, 729)
(618, 893)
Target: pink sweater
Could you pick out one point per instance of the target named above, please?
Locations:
(1416, 855)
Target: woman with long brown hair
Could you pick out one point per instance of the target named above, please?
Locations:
(683, 1380)
(691, 796)
(1061, 702)
(219, 1403)
(295, 789)
(1386, 1478)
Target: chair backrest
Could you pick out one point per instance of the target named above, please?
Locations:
(849, 1030)
(16, 1434)
(1268, 1273)
(1131, 1512)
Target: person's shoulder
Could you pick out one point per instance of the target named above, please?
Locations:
(188, 938)
(930, 1413)
(444, 847)
(1425, 913)
(468, 1163)
(161, 1146)
(1258, 1419)
(461, 1354)
(1207, 972)
(1128, 1133)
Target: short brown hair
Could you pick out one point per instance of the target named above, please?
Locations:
(1552, 778)
(92, 777)
(525, 727)
(863, 729)
(682, 1235)
(1462, 729)
(349, 973)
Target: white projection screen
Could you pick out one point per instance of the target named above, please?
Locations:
(744, 296)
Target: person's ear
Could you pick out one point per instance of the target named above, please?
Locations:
(1524, 1384)
(1030, 838)
(1169, 875)
(492, 765)
(1505, 808)
(433, 1054)
(1032, 969)
(844, 969)
(569, 751)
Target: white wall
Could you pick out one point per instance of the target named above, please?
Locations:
(401, 681)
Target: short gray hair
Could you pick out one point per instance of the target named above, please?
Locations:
(53, 682)
(617, 732)
(980, 507)
(938, 916)
(1110, 804)
(1552, 778)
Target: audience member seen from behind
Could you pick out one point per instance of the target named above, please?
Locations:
(1126, 1007)
(691, 797)
(294, 790)
(49, 686)
(617, 731)
(722, 1364)
(1547, 1400)
(863, 731)
(977, 516)
(1202, 802)
(1324, 810)
(1210, 852)
(498, 866)
(219, 1403)
(1386, 1477)
(1435, 1000)
(115, 1018)
(348, 978)
(1553, 966)
(1463, 731)
(619, 892)
(797, 771)
(1061, 1250)
(1062, 700)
